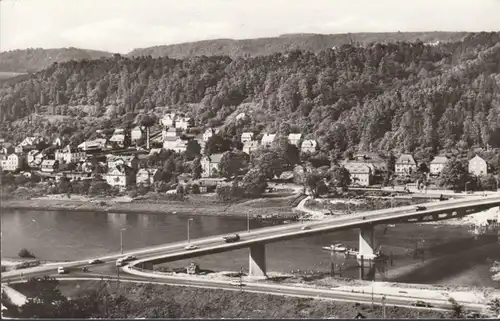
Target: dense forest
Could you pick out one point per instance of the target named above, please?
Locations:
(398, 96)
(31, 60)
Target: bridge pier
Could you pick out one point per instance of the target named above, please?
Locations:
(257, 260)
(366, 245)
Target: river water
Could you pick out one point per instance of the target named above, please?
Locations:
(452, 254)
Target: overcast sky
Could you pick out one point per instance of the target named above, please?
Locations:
(121, 25)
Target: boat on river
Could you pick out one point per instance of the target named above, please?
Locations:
(335, 248)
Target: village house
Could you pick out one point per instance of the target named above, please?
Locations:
(171, 134)
(121, 177)
(294, 139)
(119, 138)
(136, 133)
(30, 157)
(250, 146)
(58, 142)
(267, 140)
(405, 165)
(210, 165)
(309, 146)
(69, 154)
(155, 151)
(184, 123)
(208, 133)
(93, 145)
(116, 160)
(73, 176)
(180, 145)
(246, 137)
(146, 176)
(18, 149)
(361, 173)
(168, 120)
(7, 149)
(39, 158)
(437, 165)
(478, 166)
(49, 165)
(13, 162)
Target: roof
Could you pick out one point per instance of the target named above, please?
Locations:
(215, 158)
(406, 159)
(247, 134)
(151, 171)
(268, 138)
(358, 168)
(294, 136)
(439, 160)
(155, 151)
(311, 142)
(477, 157)
(117, 138)
(49, 162)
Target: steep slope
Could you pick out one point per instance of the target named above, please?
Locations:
(399, 96)
(30, 60)
(267, 46)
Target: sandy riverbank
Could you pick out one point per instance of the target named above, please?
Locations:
(192, 205)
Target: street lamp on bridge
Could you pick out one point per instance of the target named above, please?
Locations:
(121, 239)
(188, 224)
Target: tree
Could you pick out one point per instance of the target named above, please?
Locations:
(233, 164)
(25, 253)
(316, 184)
(269, 162)
(454, 176)
(340, 177)
(254, 182)
(489, 182)
(196, 168)
(217, 144)
(494, 307)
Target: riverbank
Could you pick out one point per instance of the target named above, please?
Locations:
(192, 204)
(141, 301)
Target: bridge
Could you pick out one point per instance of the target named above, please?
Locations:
(257, 239)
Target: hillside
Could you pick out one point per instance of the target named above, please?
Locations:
(30, 60)
(268, 46)
(399, 96)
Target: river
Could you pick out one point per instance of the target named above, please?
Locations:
(452, 255)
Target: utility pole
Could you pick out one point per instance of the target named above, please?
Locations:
(373, 304)
(188, 223)
(383, 307)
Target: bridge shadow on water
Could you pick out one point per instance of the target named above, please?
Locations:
(450, 259)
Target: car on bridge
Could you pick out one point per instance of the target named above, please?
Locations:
(191, 247)
(422, 304)
(420, 208)
(129, 258)
(95, 261)
(237, 283)
(61, 270)
(307, 227)
(231, 238)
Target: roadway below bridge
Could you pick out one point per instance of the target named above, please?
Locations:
(256, 239)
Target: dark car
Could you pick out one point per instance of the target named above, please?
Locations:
(420, 208)
(422, 304)
(95, 261)
(364, 217)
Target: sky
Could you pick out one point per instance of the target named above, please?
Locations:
(122, 25)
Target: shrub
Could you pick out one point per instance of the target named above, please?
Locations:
(25, 253)
(195, 189)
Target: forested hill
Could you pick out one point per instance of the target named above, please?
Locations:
(401, 96)
(31, 60)
(267, 46)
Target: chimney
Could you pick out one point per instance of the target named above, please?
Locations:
(147, 137)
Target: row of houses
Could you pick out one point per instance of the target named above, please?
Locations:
(250, 145)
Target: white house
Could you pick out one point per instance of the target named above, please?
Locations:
(96, 144)
(294, 139)
(184, 123)
(171, 134)
(118, 138)
(117, 160)
(241, 116)
(136, 133)
(69, 154)
(13, 162)
(437, 164)
(146, 176)
(208, 133)
(168, 120)
(267, 140)
(154, 151)
(121, 177)
(50, 165)
(58, 142)
(210, 165)
(250, 146)
(405, 165)
(180, 145)
(309, 146)
(361, 174)
(478, 166)
(246, 137)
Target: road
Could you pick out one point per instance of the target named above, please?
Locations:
(214, 244)
(274, 289)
